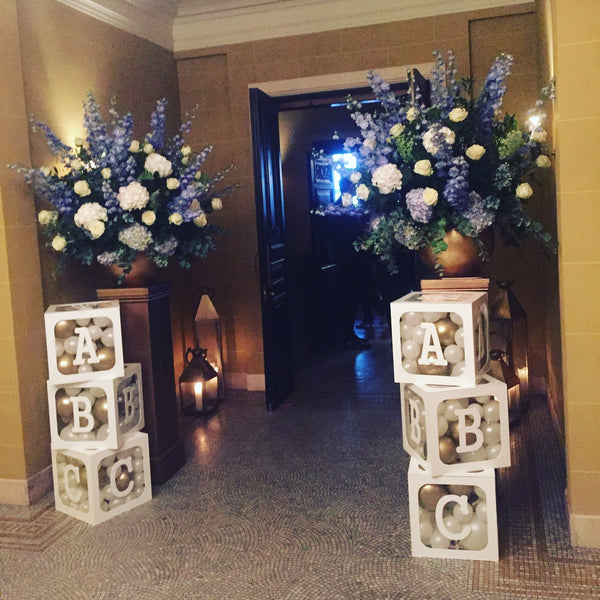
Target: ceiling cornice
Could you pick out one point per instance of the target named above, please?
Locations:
(183, 25)
(208, 23)
(148, 19)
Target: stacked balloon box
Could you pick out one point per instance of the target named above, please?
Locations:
(100, 459)
(455, 422)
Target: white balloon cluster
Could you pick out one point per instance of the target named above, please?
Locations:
(74, 338)
(426, 329)
(468, 429)
(453, 517)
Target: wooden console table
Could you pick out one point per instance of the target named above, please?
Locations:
(147, 339)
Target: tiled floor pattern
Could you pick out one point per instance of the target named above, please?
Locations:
(306, 503)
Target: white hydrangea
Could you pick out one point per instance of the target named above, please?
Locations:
(136, 236)
(387, 178)
(156, 163)
(133, 196)
(89, 212)
(436, 134)
(362, 192)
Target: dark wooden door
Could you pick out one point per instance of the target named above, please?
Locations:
(272, 251)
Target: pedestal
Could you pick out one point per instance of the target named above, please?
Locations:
(146, 327)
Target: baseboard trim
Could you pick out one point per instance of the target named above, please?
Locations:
(585, 531)
(24, 492)
(252, 382)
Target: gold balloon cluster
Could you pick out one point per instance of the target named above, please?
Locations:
(456, 520)
(102, 335)
(450, 332)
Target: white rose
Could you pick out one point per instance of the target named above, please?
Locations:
(456, 115)
(198, 175)
(216, 204)
(524, 191)
(412, 113)
(186, 150)
(175, 219)
(134, 146)
(430, 196)
(543, 161)
(423, 167)
(45, 171)
(76, 164)
(355, 177)
(82, 188)
(539, 135)
(78, 141)
(396, 130)
(47, 217)
(148, 217)
(475, 152)
(387, 178)
(155, 163)
(185, 160)
(59, 243)
(96, 229)
(148, 148)
(133, 196)
(201, 220)
(106, 173)
(172, 183)
(362, 192)
(88, 212)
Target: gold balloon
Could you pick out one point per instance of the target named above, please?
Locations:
(100, 409)
(430, 494)
(107, 358)
(64, 329)
(65, 364)
(64, 406)
(122, 480)
(446, 329)
(447, 449)
(433, 369)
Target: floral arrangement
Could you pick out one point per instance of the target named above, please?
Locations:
(114, 196)
(453, 161)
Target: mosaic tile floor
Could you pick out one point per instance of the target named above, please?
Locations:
(306, 503)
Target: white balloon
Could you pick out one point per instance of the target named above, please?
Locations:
(437, 540)
(406, 330)
(483, 399)
(452, 524)
(458, 369)
(410, 366)
(97, 392)
(412, 318)
(107, 337)
(456, 318)
(70, 344)
(491, 411)
(95, 332)
(459, 337)
(60, 349)
(102, 322)
(453, 354)
(494, 451)
(410, 350)
(102, 432)
(475, 456)
(82, 322)
(67, 434)
(478, 538)
(442, 425)
(418, 334)
(481, 511)
(85, 368)
(426, 531)
(452, 405)
(491, 433)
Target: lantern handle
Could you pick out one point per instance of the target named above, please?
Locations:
(194, 352)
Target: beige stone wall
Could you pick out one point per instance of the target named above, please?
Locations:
(576, 39)
(51, 56)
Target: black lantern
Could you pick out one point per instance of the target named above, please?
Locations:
(198, 384)
(508, 331)
(502, 371)
(207, 328)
